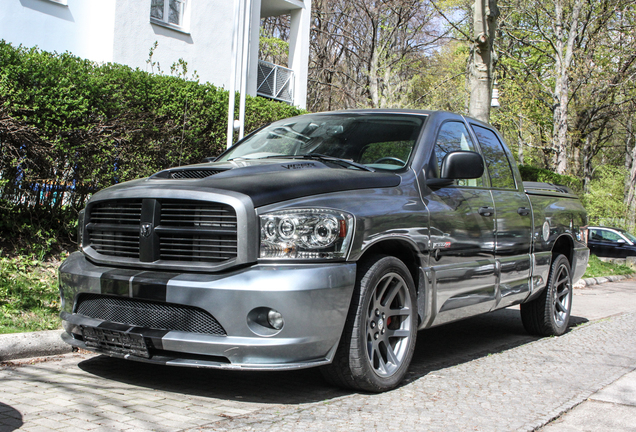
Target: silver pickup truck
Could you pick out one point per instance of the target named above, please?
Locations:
(322, 240)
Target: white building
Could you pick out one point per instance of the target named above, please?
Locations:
(201, 32)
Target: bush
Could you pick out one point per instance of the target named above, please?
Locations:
(529, 173)
(70, 127)
(604, 200)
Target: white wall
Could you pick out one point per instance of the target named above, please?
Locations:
(120, 31)
(83, 27)
(205, 44)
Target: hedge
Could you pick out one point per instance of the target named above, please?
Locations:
(529, 173)
(69, 127)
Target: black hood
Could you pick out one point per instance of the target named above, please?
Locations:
(270, 181)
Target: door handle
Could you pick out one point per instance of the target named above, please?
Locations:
(486, 211)
(523, 211)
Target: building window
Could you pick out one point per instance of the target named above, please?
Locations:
(167, 12)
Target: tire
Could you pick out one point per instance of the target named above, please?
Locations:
(378, 339)
(549, 314)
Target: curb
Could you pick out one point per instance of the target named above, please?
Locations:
(33, 344)
(601, 280)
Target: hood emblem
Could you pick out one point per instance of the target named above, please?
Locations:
(296, 166)
(145, 230)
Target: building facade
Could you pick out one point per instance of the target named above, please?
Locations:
(207, 34)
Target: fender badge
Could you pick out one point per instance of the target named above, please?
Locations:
(441, 245)
(145, 230)
(546, 231)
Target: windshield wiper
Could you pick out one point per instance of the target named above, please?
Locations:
(335, 160)
(314, 156)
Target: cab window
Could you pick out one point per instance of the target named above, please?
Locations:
(497, 163)
(453, 136)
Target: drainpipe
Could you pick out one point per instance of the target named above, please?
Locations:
(235, 42)
(247, 20)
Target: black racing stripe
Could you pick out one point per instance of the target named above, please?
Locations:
(117, 282)
(151, 285)
(154, 338)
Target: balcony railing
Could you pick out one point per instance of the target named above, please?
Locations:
(275, 82)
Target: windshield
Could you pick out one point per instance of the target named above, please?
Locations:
(379, 141)
(630, 236)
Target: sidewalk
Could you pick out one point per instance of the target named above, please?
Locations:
(463, 378)
(610, 409)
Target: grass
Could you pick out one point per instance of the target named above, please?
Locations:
(598, 268)
(29, 297)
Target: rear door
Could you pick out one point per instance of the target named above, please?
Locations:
(513, 220)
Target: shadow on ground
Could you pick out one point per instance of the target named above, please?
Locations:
(10, 418)
(437, 348)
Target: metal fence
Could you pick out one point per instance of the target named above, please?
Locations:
(275, 82)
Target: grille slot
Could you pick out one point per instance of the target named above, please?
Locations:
(115, 243)
(193, 174)
(193, 214)
(197, 248)
(117, 213)
(114, 228)
(198, 231)
(148, 314)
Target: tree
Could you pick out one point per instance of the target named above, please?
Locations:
(482, 58)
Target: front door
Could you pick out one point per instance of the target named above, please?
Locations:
(462, 240)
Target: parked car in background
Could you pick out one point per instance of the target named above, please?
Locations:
(611, 242)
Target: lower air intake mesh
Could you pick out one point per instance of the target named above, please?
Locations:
(153, 315)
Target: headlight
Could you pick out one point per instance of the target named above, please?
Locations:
(305, 234)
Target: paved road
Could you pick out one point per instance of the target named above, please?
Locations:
(481, 374)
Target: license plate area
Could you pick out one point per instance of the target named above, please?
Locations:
(115, 342)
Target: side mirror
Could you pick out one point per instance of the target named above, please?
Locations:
(621, 242)
(458, 165)
(462, 165)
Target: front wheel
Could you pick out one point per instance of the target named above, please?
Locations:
(378, 340)
(549, 314)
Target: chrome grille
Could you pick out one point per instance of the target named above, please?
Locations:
(152, 230)
(148, 314)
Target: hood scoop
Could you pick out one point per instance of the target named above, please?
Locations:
(187, 173)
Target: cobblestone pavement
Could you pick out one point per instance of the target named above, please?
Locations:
(481, 374)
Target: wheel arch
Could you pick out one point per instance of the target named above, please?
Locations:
(403, 250)
(564, 246)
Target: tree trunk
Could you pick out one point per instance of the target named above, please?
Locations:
(630, 182)
(588, 170)
(520, 147)
(564, 47)
(482, 56)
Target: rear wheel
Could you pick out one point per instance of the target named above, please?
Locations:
(549, 314)
(378, 340)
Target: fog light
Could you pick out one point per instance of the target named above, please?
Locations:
(275, 319)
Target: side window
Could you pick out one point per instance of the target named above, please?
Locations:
(610, 236)
(453, 136)
(501, 175)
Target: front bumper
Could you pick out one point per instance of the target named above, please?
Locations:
(312, 298)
